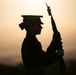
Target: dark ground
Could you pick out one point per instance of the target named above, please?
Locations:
(50, 70)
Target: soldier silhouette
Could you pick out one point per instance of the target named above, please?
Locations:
(34, 58)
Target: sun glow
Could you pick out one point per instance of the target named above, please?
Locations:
(64, 14)
(35, 1)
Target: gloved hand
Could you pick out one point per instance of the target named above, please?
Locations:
(60, 52)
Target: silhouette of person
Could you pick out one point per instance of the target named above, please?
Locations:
(34, 58)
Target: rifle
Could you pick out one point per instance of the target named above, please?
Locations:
(57, 38)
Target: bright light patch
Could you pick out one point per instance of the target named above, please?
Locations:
(35, 1)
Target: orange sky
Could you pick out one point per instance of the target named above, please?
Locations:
(11, 37)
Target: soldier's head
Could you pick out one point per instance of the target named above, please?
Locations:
(31, 23)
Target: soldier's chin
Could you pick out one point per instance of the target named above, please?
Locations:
(38, 33)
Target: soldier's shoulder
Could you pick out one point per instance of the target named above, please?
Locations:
(30, 39)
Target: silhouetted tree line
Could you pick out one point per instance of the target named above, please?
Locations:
(50, 70)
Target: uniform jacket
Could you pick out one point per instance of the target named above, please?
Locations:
(34, 56)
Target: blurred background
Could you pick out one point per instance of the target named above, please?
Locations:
(11, 36)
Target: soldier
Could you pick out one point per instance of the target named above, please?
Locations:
(34, 58)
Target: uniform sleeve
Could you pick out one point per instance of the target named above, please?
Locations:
(51, 49)
(34, 51)
(51, 56)
(37, 56)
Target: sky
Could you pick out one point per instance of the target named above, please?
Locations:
(11, 36)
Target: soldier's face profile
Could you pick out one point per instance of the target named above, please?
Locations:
(38, 28)
(35, 28)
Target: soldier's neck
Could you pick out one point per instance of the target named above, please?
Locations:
(31, 34)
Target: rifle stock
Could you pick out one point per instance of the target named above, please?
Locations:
(58, 37)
